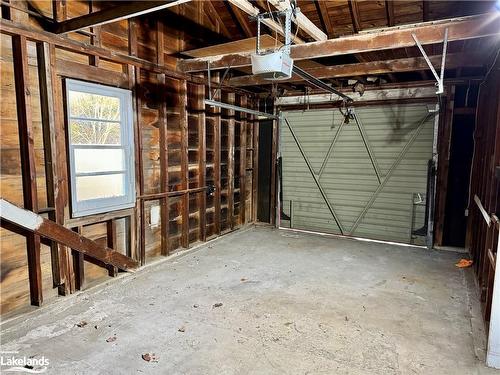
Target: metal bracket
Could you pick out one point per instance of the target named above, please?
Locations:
(440, 78)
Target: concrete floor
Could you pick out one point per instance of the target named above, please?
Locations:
(291, 304)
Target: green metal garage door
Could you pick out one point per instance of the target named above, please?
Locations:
(372, 173)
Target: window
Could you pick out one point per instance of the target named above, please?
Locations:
(101, 148)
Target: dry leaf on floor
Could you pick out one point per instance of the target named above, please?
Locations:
(464, 263)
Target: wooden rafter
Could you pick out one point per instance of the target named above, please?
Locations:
(392, 38)
(389, 10)
(214, 15)
(372, 67)
(353, 9)
(113, 14)
(301, 20)
(240, 19)
(247, 7)
(322, 9)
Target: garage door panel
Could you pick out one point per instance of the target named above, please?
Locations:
(399, 139)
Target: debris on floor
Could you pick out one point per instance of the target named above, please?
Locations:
(464, 263)
(150, 357)
(182, 329)
(218, 304)
(82, 324)
(111, 339)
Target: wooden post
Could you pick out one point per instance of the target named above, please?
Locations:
(230, 162)
(255, 163)
(78, 264)
(111, 243)
(243, 160)
(26, 145)
(184, 162)
(49, 145)
(135, 221)
(202, 200)
(26, 142)
(61, 188)
(217, 169)
(164, 208)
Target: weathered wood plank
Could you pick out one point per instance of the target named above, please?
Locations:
(53, 231)
(202, 139)
(400, 37)
(372, 67)
(164, 207)
(49, 148)
(28, 172)
(113, 14)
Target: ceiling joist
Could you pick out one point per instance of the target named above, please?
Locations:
(391, 38)
(373, 67)
(113, 14)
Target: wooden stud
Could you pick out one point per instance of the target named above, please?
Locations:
(78, 264)
(164, 186)
(26, 145)
(255, 163)
(230, 162)
(61, 183)
(95, 39)
(184, 162)
(202, 197)
(274, 179)
(217, 161)
(243, 160)
(111, 243)
(50, 156)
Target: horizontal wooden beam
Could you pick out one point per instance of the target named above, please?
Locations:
(373, 67)
(396, 37)
(369, 95)
(12, 29)
(113, 14)
(91, 73)
(49, 229)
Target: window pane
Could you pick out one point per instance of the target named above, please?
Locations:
(82, 104)
(94, 133)
(99, 160)
(106, 186)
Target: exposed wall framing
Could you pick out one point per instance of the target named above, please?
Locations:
(182, 149)
(484, 198)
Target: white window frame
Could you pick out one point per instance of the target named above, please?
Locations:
(100, 205)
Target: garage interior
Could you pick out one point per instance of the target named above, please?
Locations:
(250, 186)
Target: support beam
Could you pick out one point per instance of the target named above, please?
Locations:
(369, 95)
(48, 229)
(27, 150)
(113, 14)
(252, 10)
(301, 20)
(374, 67)
(400, 37)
